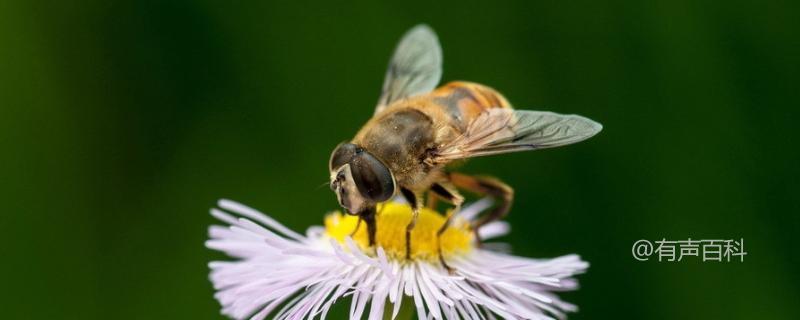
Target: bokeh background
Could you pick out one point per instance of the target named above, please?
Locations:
(122, 122)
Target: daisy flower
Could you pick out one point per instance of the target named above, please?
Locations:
(286, 275)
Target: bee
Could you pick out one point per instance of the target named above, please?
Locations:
(418, 129)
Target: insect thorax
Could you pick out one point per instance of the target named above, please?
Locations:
(400, 139)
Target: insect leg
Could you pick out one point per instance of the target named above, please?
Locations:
(432, 200)
(486, 186)
(416, 203)
(449, 193)
(368, 215)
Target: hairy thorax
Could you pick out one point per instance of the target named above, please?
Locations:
(402, 137)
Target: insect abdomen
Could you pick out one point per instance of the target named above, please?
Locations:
(464, 101)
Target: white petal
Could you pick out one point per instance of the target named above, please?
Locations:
(276, 264)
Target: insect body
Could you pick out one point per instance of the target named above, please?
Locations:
(418, 129)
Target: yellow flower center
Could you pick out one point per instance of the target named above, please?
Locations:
(391, 221)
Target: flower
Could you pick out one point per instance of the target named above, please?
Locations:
(288, 275)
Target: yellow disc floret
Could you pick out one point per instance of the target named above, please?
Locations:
(391, 221)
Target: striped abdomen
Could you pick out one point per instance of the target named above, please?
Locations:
(464, 101)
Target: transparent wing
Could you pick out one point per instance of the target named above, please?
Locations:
(416, 66)
(498, 131)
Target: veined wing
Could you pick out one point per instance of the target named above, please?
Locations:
(497, 131)
(415, 67)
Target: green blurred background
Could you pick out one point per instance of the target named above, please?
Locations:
(122, 122)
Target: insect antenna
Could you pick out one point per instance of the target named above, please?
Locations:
(326, 183)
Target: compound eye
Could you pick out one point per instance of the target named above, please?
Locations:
(372, 178)
(343, 153)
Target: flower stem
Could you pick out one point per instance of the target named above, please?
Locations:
(407, 310)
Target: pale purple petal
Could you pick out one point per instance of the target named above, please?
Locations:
(282, 274)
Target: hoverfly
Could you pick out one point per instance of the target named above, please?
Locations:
(417, 129)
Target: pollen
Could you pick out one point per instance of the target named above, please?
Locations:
(391, 221)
